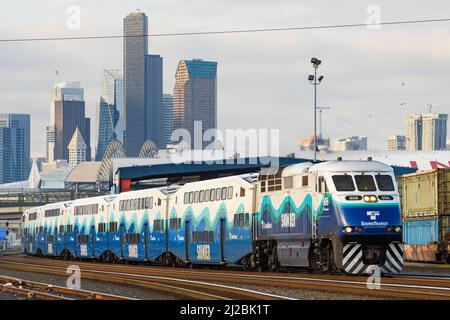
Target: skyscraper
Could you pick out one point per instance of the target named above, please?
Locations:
(195, 97)
(61, 91)
(110, 120)
(142, 86)
(14, 147)
(154, 100)
(434, 131)
(413, 130)
(77, 149)
(426, 132)
(167, 117)
(69, 114)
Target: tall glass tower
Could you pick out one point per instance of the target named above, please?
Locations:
(195, 97)
(143, 82)
(110, 122)
(14, 147)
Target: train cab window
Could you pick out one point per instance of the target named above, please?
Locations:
(384, 182)
(230, 193)
(288, 182)
(201, 196)
(365, 182)
(242, 192)
(207, 194)
(343, 183)
(305, 181)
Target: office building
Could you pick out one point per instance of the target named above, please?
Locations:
(195, 98)
(396, 142)
(167, 118)
(142, 86)
(434, 131)
(70, 115)
(14, 147)
(350, 144)
(110, 117)
(77, 149)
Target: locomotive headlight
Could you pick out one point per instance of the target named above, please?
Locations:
(398, 229)
(348, 229)
(370, 198)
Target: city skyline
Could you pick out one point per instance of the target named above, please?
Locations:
(264, 83)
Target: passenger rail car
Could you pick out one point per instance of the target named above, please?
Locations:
(336, 216)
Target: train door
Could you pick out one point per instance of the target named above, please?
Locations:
(146, 239)
(223, 233)
(92, 236)
(122, 231)
(56, 241)
(75, 237)
(186, 238)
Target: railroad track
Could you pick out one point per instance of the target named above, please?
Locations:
(403, 286)
(44, 291)
(185, 288)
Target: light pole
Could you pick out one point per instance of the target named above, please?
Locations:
(320, 119)
(314, 80)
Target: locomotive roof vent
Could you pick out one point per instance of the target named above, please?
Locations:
(369, 158)
(339, 158)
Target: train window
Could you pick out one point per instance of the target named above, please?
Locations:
(195, 196)
(230, 193)
(213, 194)
(32, 216)
(186, 198)
(263, 186)
(203, 236)
(343, 183)
(241, 220)
(158, 225)
(191, 197)
(201, 196)
(305, 181)
(384, 182)
(207, 194)
(83, 238)
(247, 220)
(242, 192)
(159, 201)
(218, 194)
(61, 229)
(69, 228)
(322, 185)
(102, 227)
(211, 236)
(236, 220)
(224, 193)
(288, 182)
(49, 238)
(113, 227)
(365, 182)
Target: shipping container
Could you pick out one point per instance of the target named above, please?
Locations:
(425, 194)
(427, 239)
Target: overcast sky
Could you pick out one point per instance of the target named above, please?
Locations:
(262, 77)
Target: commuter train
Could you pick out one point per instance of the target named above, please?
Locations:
(334, 216)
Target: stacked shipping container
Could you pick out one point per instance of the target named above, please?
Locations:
(425, 200)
